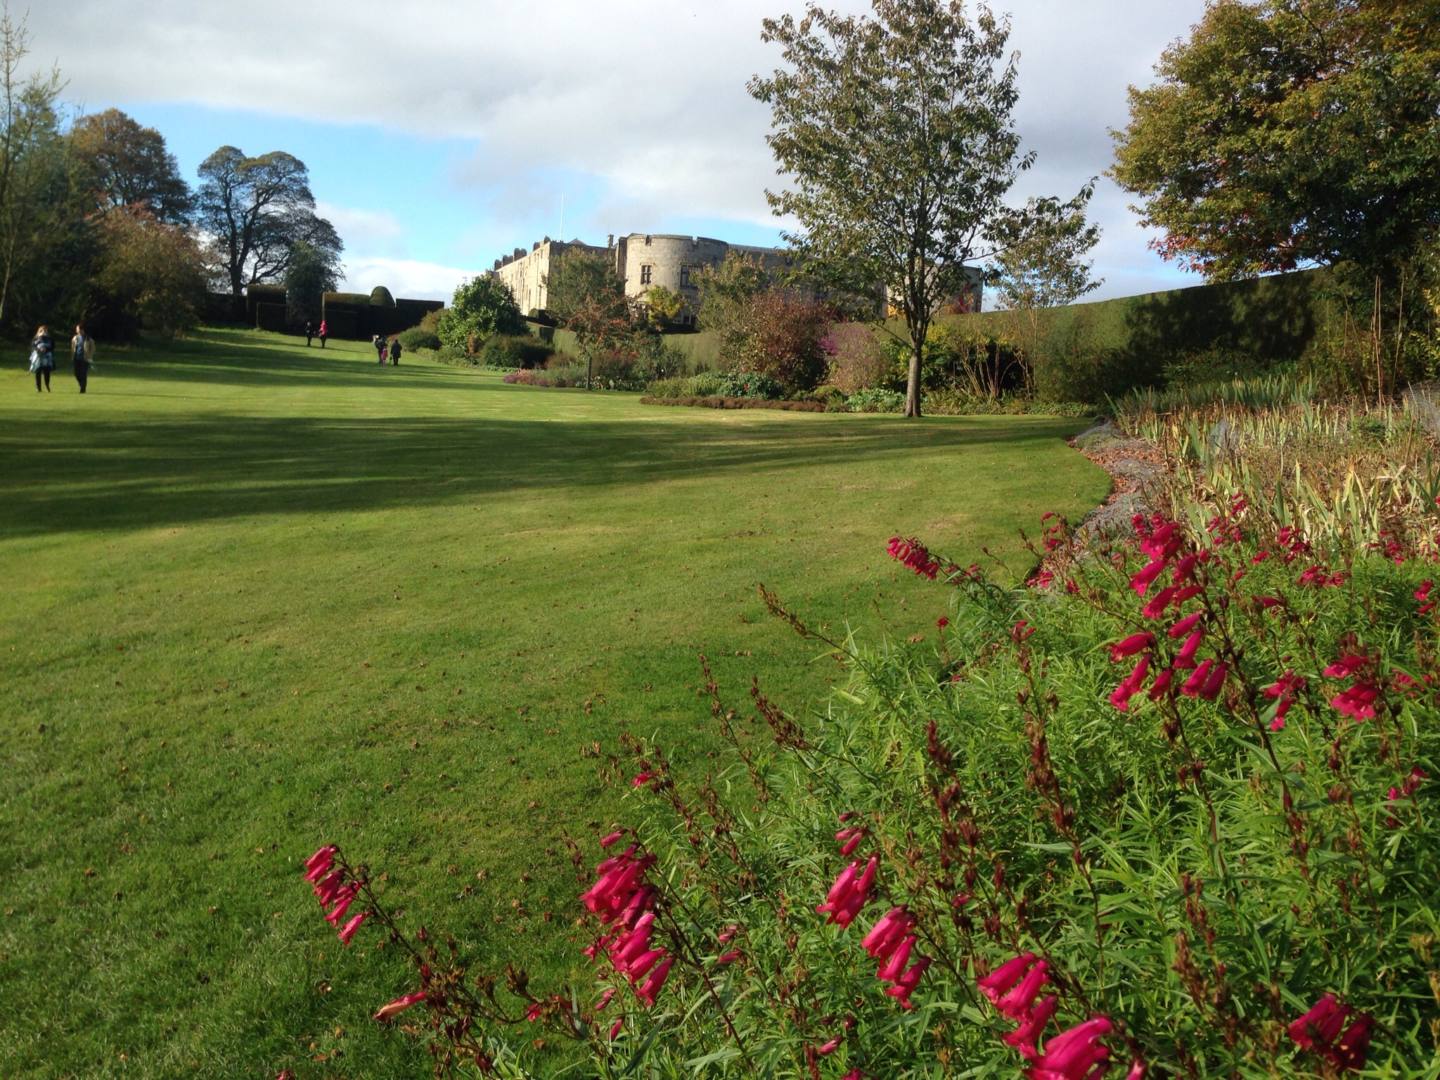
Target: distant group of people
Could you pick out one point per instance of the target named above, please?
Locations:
(387, 347)
(42, 356)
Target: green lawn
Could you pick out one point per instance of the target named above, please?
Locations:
(257, 598)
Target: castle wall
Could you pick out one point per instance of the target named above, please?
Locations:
(672, 261)
(527, 273)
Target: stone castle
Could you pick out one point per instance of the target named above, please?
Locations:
(644, 261)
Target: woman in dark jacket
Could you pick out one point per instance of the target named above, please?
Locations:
(82, 349)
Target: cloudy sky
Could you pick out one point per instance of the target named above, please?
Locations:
(441, 134)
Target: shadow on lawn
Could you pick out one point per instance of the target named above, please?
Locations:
(77, 472)
(121, 475)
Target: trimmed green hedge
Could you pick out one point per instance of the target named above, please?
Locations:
(737, 403)
(271, 317)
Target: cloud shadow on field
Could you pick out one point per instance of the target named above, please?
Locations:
(79, 472)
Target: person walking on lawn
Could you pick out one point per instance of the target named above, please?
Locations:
(82, 349)
(395, 350)
(324, 332)
(309, 332)
(42, 356)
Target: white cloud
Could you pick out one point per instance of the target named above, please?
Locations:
(404, 277)
(377, 231)
(645, 101)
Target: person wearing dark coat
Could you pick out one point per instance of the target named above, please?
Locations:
(82, 350)
(395, 350)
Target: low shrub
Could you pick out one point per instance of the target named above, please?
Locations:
(558, 377)
(704, 384)
(960, 403)
(513, 351)
(876, 401)
(783, 338)
(857, 359)
(722, 402)
(751, 384)
(423, 336)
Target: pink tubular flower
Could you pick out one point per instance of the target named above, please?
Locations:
(613, 838)
(399, 1005)
(913, 554)
(1215, 683)
(1025, 1037)
(318, 865)
(329, 886)
(1348, 665)
(1185, 658)
(1131, 645)
(1004, 978)
(1422, 594)
(1185, 625)
(616, 1027)
(887, 932)
(1156, 605)
(1144, 578)
(348, 930)
(1137, 1070)
(1320, 1026)
(1016, 1004)
(892, 966)
(1131, 685)
(849, 839)
(605, 999)
(728, 958)
(1357, 701)
(1283, 692)
(655, 982)
(1198, 679)
(1073, 1054)
(906, 984)
(826, 1049)
(1349, 1052)
(850, 893)
(641, 779)
(1162, 683)
(342, 901)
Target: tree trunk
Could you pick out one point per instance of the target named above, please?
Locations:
(912, 384)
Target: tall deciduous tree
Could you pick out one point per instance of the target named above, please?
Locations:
(579, 277)
(39, 230)
(896, 133)
(257, 210)
(1286, 133)
(151, 274)
(126, 164)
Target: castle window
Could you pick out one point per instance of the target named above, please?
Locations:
(684, 277)
(645, 275)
